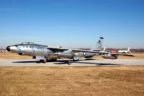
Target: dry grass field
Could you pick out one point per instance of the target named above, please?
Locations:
(8, 55)
(136, 56)
(72, 81)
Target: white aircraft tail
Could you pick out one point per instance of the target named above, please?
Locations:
(128, 49)
(104, 49)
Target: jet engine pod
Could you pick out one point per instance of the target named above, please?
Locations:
(110, 56)
(65, 55)
(88, 55)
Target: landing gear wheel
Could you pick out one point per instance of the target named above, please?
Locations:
(69, 62)
(43, 61)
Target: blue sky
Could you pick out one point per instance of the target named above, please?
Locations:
(72, 23)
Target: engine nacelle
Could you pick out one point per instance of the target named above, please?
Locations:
(65, 55)
(88, 55)
(110, 56)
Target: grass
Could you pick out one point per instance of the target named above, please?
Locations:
(8, 55)
(72, 81)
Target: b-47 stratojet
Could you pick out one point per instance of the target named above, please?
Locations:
(43, 53)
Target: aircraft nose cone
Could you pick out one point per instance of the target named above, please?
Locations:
(8, 48)
(11, 48)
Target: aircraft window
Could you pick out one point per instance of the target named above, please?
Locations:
(36, 47)
(39, 47)
(30, 46)
(42, 48)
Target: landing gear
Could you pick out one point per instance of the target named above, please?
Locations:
(115, 56)
(69, 62)
(41, 61)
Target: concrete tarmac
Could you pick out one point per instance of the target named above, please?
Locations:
(105, 62)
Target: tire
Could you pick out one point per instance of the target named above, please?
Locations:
(43, 61)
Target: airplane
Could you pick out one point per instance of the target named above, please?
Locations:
(125, 52)
(44, 53)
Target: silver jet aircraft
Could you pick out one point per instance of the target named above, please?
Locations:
(44, 53)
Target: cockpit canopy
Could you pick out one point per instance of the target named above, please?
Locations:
(27, 43)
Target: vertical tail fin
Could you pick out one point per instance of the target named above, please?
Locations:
(99, 45)
(128, 49)
(104, 49)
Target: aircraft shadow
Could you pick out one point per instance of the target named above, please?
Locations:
(25, 62)
(99, 64)
(61, 62)
(39, 61)
(89, 59)
(129, 55)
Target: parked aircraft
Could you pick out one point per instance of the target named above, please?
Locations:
(44, 53)
(125, 52)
